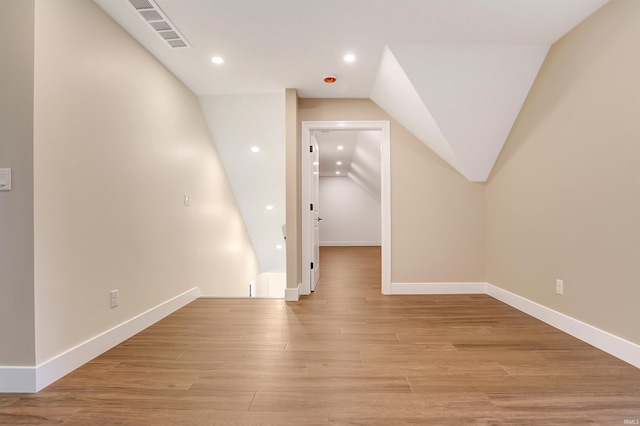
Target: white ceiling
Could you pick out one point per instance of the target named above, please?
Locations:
(454, 72)
(330, 154)
(359, 157)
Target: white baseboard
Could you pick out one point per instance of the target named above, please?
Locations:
(438, 288)
(292, 294)
(603, 340)
(614, 345)
(32, 379)
(350, 243)
(17, 379)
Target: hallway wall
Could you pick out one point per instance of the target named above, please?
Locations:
(562, 200)
(118, 141)
(437, 215)
(17, 326)
(350, 216)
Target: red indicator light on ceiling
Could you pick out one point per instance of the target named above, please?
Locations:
(330, 79)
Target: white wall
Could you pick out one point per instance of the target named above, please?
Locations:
(350, 216)
(237, 123)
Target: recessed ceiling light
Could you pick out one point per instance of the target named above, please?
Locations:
(339, 163)
(269, 207)
(255, 149)
(279, 247)
(341, 147)
(217, 60)
(337, 173)
(349, 57)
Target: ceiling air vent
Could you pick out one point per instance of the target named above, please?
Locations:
(159, 22)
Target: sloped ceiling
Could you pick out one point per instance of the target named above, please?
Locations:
(454, 72)
(239, 123)
(359, 157)
(467, 96)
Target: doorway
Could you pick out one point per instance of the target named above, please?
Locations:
(310, 220)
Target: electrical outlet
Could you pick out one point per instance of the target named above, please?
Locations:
(187, 200)
(114, 298)
(560, 287)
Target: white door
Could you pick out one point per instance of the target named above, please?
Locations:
(315, 218)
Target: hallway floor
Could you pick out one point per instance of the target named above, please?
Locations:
(346, 355)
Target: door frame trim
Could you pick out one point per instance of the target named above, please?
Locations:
(385, 193)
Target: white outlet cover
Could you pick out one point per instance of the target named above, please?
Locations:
(114, 298)
(5, 179)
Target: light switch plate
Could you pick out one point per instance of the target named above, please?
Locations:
(5, 179)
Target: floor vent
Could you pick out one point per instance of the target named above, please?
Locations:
(159, 22)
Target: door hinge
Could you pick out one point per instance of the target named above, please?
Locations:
(311, 207)
(310, 148)
(311, 265)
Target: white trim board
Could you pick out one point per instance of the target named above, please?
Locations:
(350, 243)
(614, 345)
(32, 379)
(292, 294)
(620, 348)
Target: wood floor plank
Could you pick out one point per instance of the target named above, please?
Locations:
(344, 355)
(455, 355)
(590, 368)
(281, 356)
(450, 417)
(229, 368)
(132, 399)
(167, 352)
(369, 402)
(8, 399)
(124, 379)
(369, 347)
(406, 369)
(35, 415)
(155, 417)
(307, 385)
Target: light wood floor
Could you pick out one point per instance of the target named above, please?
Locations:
(344, 355)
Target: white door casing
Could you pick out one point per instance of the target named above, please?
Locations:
(315, 219)
(309, 217)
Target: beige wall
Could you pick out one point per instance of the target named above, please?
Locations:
(294, 227)
(17, 345)
(563, 200)
(118, 141)
(437, 216)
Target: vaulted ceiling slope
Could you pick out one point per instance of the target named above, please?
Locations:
(454, 72)
(461, 100)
